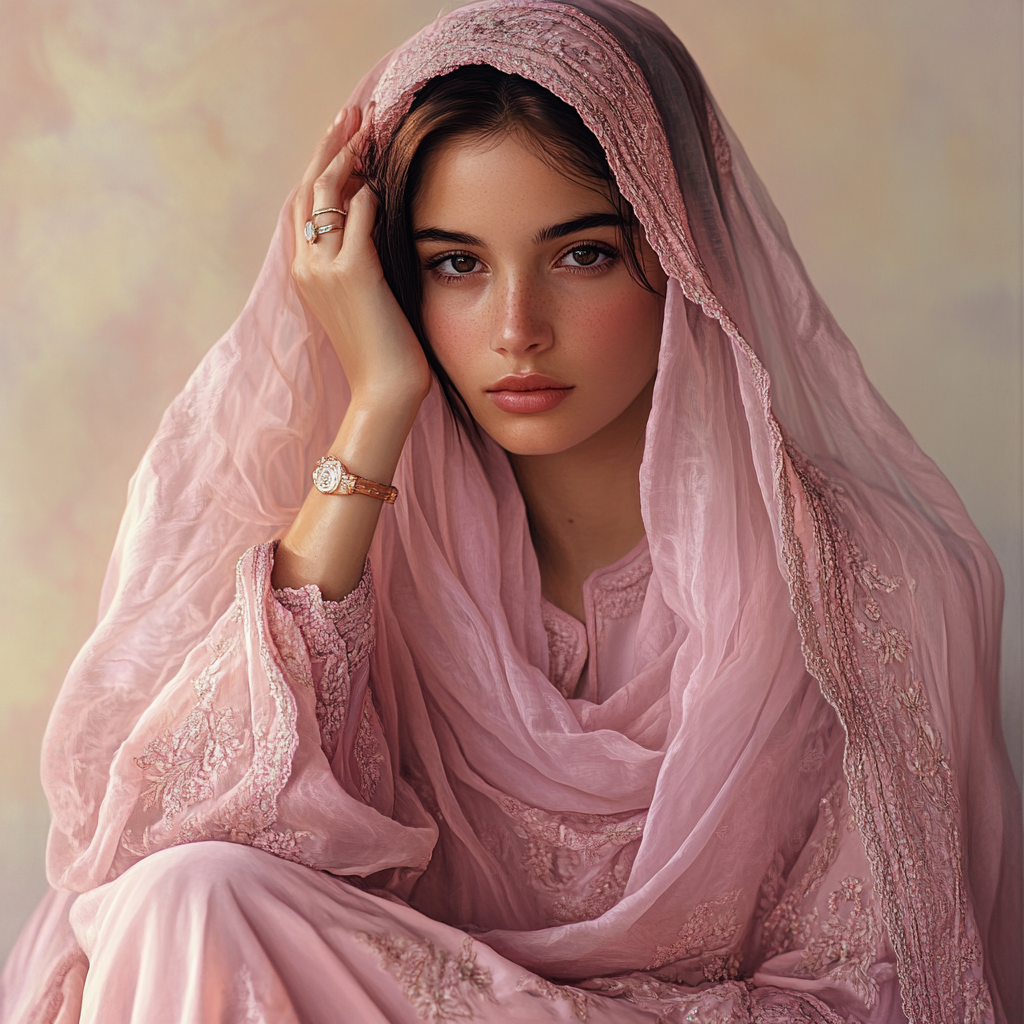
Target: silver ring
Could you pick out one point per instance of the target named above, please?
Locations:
(327, 209)
(313, 232)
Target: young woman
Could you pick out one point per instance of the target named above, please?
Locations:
(671, 695)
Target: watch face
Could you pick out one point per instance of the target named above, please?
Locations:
(327, 475)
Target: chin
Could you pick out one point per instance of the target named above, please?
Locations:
(532, 438)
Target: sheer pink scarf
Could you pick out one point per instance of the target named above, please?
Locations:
(802, 546)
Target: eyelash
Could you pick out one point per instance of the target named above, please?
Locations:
(602, 248)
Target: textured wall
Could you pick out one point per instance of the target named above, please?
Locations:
(145, 149)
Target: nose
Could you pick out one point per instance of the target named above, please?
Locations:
(521, 325)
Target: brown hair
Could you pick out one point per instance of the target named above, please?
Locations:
(478, 101)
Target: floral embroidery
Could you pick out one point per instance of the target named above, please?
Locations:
(979, 1003)
(621, 593)
(367, 751)
(727, 1003)
(182, 765)
(782, 1006)
(338, 635)
(887, 643)
(901, 784)
(291, 648)
(785, 928)
(438, 984)
(601, 895)
(567, 651)
(185, 767)
(711, 927)
(813, 756)
(578, 1000)
(866, 574)
(730, 1002)
(559, 846)
(284, 844)
(845, 949)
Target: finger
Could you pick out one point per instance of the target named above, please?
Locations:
(362, 218)
(329, 194)
(338, 135)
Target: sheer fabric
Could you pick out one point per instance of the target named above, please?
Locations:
(809, 565)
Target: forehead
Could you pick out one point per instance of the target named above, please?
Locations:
(497, 179)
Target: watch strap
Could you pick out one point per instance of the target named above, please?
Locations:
(383, 492)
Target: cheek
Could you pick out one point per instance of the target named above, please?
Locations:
(618, 334)
(457, 329)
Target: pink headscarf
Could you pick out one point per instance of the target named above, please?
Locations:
(802, 545)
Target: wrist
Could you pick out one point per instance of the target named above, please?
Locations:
(395, 403)
(372, 435)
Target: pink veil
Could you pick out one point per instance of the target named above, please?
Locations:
(802, 546)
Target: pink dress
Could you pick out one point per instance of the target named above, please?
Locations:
(765, 781)
(217, 932)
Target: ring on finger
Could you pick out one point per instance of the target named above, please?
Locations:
(313, 231)
(327, 209)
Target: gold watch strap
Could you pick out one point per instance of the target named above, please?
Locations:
(382, 491)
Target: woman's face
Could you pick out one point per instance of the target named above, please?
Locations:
(527, 300)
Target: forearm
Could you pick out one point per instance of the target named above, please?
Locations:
(328, 542)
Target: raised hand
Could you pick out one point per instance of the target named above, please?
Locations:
(340, 279)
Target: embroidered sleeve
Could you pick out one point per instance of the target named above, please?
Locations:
(332, 641)
(325, 646)
(267, 735)
(332, 627)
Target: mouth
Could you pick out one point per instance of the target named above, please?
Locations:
(528, 393)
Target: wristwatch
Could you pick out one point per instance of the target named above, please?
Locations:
(331, 476)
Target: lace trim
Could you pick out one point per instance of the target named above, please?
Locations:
(900, 782)
(323, 623)
(439, 985)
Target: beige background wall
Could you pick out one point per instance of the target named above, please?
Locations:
(146, 146)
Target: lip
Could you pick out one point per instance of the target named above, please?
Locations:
(528, 393)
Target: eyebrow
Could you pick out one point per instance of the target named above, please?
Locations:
(571, 227)
(568, 227)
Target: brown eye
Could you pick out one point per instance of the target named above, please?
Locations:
(582, 257)
(457, 264)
